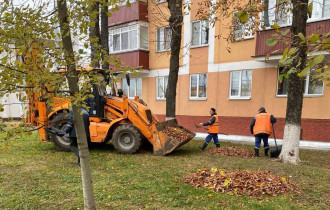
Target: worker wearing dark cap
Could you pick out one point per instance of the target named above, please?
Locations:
(261, 128)
(213, 128)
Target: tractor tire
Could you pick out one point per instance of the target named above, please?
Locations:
(60, 121)
(127, 139)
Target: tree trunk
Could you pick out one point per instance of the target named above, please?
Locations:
(94, 34)
(72, 77)
(176, 18)
(290, 149)
(104, 35)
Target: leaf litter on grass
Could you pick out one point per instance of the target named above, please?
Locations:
(249, 183)
(230, 151)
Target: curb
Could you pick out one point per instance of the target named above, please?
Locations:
(303, 144)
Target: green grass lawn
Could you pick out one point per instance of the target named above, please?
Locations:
(33, 175)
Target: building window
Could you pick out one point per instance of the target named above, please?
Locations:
(164, 36)
(311, 87)
(321, 9)
(283, 16)
(200, 33)
(161, 87)
(135, 88)
(144, 40)
(326, 8)
(240, 30)
(280, 12)
(198, 83)
(282, 87)
(240, 84)
(128, 38)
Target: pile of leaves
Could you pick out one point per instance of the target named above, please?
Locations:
(247, 183)
(177, 133)
(230, 151)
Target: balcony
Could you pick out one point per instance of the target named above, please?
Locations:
(262, 49)
(137, 12)
(135, 59)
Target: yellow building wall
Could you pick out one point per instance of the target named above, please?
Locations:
(158, 15)
(263, 93)
(198, 60)
(313, 107)
(264, 81)
(227, 50)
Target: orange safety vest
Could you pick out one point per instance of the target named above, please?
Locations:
(214, 128)
(262, 124)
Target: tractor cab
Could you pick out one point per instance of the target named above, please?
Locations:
(101, 79)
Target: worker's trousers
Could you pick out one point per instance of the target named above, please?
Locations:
(211, 136)
(264, 138)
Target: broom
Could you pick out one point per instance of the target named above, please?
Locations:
(275, 151)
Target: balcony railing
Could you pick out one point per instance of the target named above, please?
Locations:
(137, 11)
(135, 59)
(262, 49)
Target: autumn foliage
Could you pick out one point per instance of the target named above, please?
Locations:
(246, 183)
(177, 133)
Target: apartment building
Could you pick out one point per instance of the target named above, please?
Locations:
(232, 76)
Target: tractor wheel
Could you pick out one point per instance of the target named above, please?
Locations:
(127, 139)
(60, 121)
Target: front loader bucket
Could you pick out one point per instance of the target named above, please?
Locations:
(169, 136)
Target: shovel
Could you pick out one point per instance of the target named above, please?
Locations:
(275, 151)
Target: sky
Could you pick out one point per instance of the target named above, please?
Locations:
(33, 3)
(51, 4)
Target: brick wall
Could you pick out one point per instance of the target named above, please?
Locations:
(312, 129)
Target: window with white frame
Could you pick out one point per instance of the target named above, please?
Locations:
(144, 40)
(321, 9)
(311, 87)
(200, 33)
(326, 8)
(241, 30)
(135, 88)
(279, 12)
(240, 84)
(161, 87)
(131, 37)
(164, 36)
(283, 16)
(198, 83)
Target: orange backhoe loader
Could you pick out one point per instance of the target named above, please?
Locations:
(124, 121)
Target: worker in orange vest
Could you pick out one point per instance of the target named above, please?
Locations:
(261, 128)
(213, 128)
